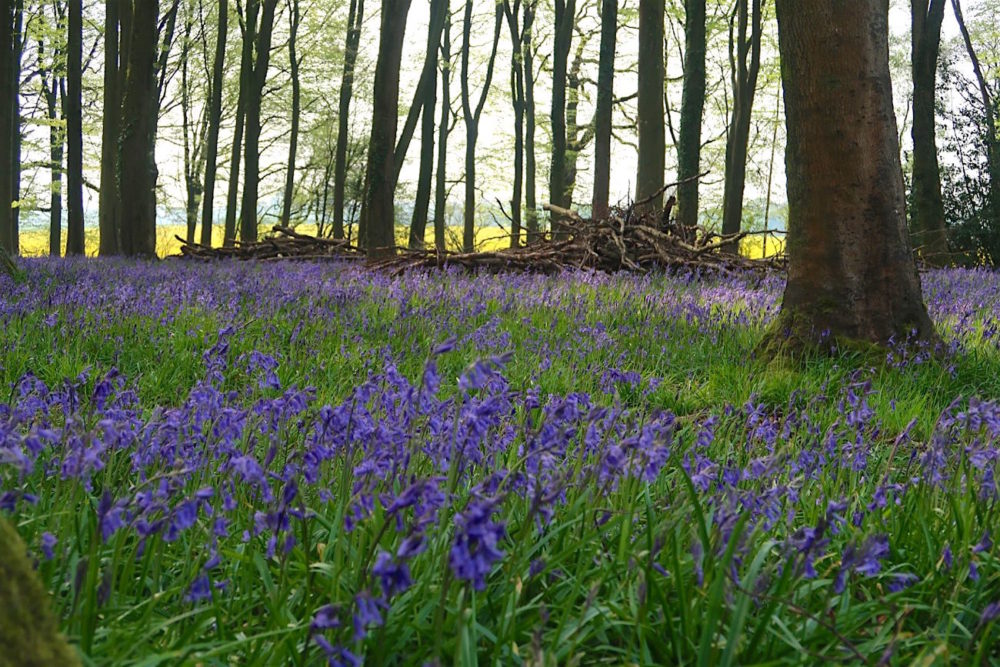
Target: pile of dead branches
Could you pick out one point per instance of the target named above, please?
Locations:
(282, 243)
(624, 241)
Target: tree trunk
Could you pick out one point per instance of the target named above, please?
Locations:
(692, 110)
(517, 103)
(7, 87)
(652, 136)
(246, 71)
(15, 101)
(214, 121)
(293, 141)
(427, 103)
(379, 237)
(192, 186)
(50, 91)
(444, 129)
(354, 23)
(137, 157)
(603, 113)
(108, 221)
(565, 14)
(472, 117)
(74, 130)
(927, 215)
(989, 117)
(251, 150)
(851, 274)
(746, 66)
(527, 54)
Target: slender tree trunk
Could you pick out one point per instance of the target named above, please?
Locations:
(246, 70)
(15, 100)
(565, 14)
(851, 272)
(7, 88)
(427, 102)
(137, 158)
(354, 23)
(251, 151)
(191, 184)
(530, 200)
(108, 222)
(380, 235)
(692, 111)
(472, 118)
(50, 90)
(214, 121)
(927, 214)
(444, 128)
(746, 66)
(74, 129)
(652, 134)
(603, 113)
(517, 103)
(989, 116)
(293, 141)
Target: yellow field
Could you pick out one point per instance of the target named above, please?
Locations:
(35, 243)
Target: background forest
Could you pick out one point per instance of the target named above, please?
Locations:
(491, 98)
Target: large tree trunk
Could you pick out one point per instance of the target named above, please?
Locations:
(293, 141)
(74, 130)
(472, 117)
(565, 14)
(214, 121)
(989, 117)
(851, 273)
(427, 103)
(652, 136)
(527, 53)
(354, 22)
(108, 211)
(746, 66)
(927, 214)
(444, 129)
(603, 112)
(379, 236)
(251, 151)
(692, 110)
(137, 158)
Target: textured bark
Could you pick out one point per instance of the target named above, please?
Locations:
(603, 112)
(354, 23)
(851, 273)
(29, 632)
(565, 11)
(512, 12)
(108, 215)
(50, 91)
(444, 129)
(652, 134)
(692, 112)
(471, 117)
(7, 87)
(927, 214)
(746, 66)
(137, 159)
(379, 235)
(530, 203)
(293, 140)
(214, 122)
(74, 130)
(257, 77)
(427, 103)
